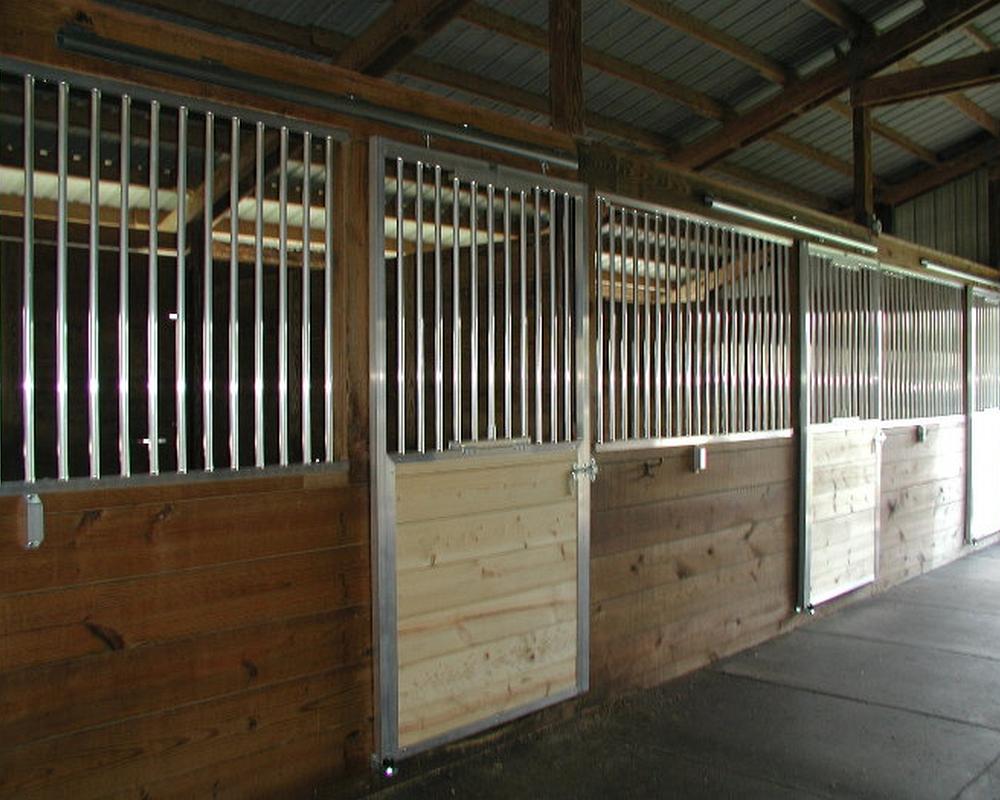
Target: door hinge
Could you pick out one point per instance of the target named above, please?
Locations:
(578, 471)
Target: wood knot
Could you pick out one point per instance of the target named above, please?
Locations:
(88, 519)
(109, 637)
(250, 668)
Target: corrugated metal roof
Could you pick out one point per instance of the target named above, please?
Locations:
(787, 31)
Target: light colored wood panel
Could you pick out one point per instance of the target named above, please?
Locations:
(467, 672)
(829, 503)
(632, 528)
(458, 585)
(843, 476)
(985, 493)
(944, 437)
(826, 585)
(471, 488)
(824, 533)
(120, 615)
(922, 497)
(439, 632)
(828, 447)
(460, 710)
(422, 545)
(900, 474)
(625, 482)
(921, 524)
(635, 570)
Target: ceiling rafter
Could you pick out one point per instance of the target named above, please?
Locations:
(922, 81)
(962, 104)
(396, 33)
(801, 95)
(974, 155)
(841, 15)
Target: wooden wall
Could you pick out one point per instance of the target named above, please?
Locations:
(187, 640)
(685, 567)
(923, 499)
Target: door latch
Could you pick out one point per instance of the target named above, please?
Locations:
(578, 471)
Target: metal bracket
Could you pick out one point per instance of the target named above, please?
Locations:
(34, 522)
(577, 471)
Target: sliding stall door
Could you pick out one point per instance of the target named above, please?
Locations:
(984, 417)
(843, 437)
(481, 428)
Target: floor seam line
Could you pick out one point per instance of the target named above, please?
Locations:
(861, 638)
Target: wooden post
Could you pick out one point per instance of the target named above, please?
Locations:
(566, 65)
(993, 216)
(864, 191)
(351, 303)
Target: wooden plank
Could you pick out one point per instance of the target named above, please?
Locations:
(632, 528)
(466, 487)
(848, 527)
(841, 15)
(455, 712)
(466, 582)
(94, 763)
(566, 66)
(923, 497)
(114, 685)
(103, 543)
(843, 476)
(623, 480)
(801, 95)
(120, 615)
(972, 154)
(439, 632)
(421, 545)
(928, 81)
(466, 672)
(901, 474)
(397, 32)
(836, 502)
(632, 571)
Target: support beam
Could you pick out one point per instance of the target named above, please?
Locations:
(914, 84)
(400, 30)
(864, 186)
(775, 186)
(566, 66)
(975, 112)
(973, 157)
(696, 28)
(925, 154)
(993, 220)
(841, 15)
(801, 95)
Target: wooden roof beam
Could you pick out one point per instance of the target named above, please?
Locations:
(566, 65)
(920, 82)
(843, 16)
(971, 158)
(804, 94)
(962, 104)
(400, 30)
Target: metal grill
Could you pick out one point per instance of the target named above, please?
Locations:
(170, 269)
(481, 322)
(843, 337)
(985, 322)
(692, 326)
(922, 346)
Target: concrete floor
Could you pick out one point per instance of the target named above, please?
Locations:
(895, 697)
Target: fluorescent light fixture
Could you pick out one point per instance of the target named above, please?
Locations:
(789, 225)
(958, 274)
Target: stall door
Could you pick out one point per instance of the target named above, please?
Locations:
(482, 472)
(843, 437)
(984, 419)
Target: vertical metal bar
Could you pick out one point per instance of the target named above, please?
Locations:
(94, 282)
(491, 319)
(456, 312)
(419, 308)
(207, 354)
(539, 432)
(553, 326)
(679, 362)
(233, 331)
(623, 353)
(258, 300)
(731, 335)
(28, 282)
(62, 324)
(613, 330)
(647, 333)
(474, 312)
(438, 319)
(180, 331)
(306, 326)
(599, 327)
(523, 335)
(772, 336)
(804, 314)
(697, 354)
(283, 387)
(508, 333)
(716, 332)
(401, 315)
(658, 333)
(688, 331)
(152, 310)
(328, 432)
(124, 443)
(568, 324)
